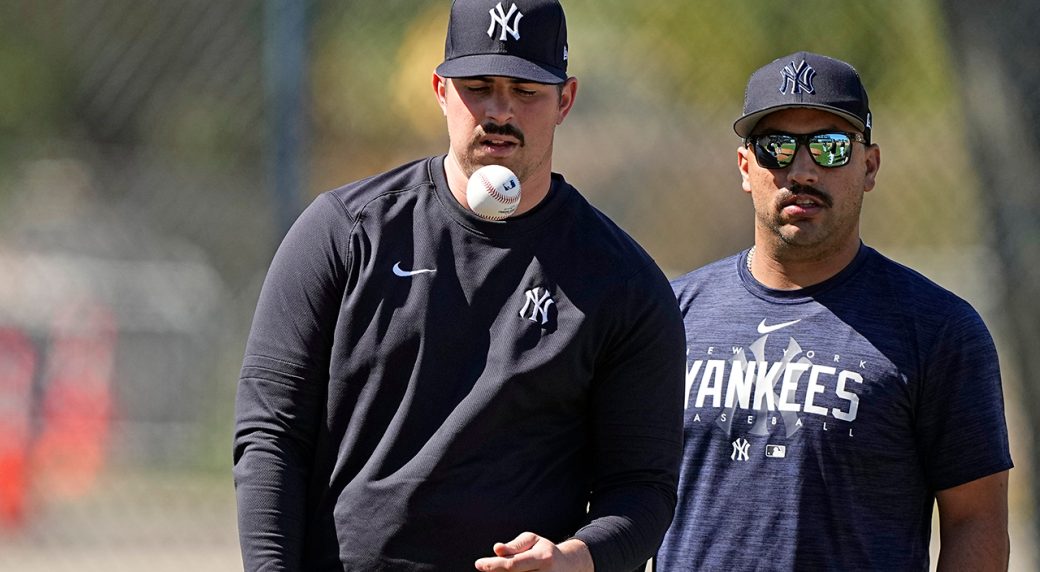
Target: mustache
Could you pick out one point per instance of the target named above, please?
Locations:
(492, 128)
(796, 189)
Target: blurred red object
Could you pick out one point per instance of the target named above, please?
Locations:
(17, 366)
(69, 452)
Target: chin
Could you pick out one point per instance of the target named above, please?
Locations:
(799, 238)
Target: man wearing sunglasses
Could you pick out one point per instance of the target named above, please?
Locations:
(832, 395)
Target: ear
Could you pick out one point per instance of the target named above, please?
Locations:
(873, 164)
(568, 93)
(440, 90)
(744, 163)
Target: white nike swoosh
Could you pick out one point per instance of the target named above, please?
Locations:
(764, 329)
(405, 273)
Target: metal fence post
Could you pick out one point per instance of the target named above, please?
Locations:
(285, 62)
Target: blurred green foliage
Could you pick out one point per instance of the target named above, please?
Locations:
(33, 97)
(673, 52)
(718, 43)
(661, 80)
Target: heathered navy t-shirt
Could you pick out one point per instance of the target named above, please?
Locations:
(821, 422)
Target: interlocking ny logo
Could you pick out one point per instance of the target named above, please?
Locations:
(740, 450)
(501, 17)
(538, 301)
(798, 78)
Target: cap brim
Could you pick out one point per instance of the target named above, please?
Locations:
(746, 124)
(501, 65)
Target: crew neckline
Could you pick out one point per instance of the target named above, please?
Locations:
(559, 191)
(800, 295)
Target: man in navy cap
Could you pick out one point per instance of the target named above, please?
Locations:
(427, 390)
(832, 395)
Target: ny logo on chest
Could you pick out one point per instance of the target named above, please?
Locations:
(537, 304)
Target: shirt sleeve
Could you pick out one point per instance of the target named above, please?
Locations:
(282, 387)
(637, 424)
(962, 433)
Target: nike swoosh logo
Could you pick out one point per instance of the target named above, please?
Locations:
(764, 329)
(406, 273)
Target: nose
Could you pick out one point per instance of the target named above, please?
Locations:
(499, 107)
(803, 170)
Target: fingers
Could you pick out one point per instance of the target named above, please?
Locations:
(525, 553)
(521, 543)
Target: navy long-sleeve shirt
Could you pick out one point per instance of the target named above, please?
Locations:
(419, 384)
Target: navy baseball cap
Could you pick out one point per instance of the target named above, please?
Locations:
(524, 39)
(805, 79)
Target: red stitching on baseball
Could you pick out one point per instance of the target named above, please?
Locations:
(493, 191)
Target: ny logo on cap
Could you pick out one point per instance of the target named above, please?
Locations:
(501, 17)
(798, 78)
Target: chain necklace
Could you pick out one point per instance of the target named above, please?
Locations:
(750, 257)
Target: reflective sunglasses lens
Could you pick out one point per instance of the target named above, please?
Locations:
(830, 149)
(775, 151)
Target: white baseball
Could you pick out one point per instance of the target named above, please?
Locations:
(493, 192)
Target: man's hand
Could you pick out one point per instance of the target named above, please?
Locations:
(530, 552)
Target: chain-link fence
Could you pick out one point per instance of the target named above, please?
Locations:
(152, 151)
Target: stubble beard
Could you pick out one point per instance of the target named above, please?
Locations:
(522, 162)
(813, 239)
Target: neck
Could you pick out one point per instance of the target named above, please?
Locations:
(533, 188)
(791, 268)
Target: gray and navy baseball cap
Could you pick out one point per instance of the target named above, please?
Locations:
(524, 39)
(804, 79)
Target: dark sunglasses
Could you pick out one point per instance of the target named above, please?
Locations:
(827, 148)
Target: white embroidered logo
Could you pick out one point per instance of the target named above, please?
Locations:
(764, 329)
(740, 450)
(539, 304)
(799, 78)
(398, 271)
(501, 17)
